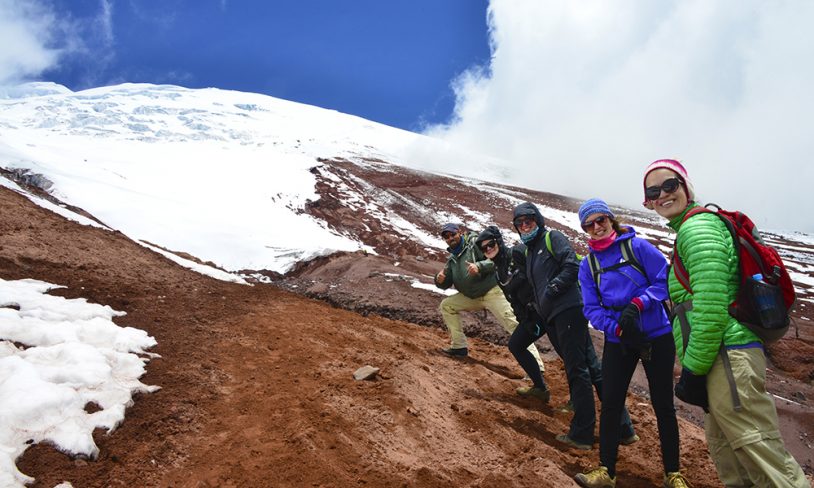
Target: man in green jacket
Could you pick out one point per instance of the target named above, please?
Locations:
(743, 435)
(473, 276)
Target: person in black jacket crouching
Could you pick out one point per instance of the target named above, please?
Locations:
(510, 271)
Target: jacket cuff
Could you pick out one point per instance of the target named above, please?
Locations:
(638, 302)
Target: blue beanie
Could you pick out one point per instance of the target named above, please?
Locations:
(594, 206)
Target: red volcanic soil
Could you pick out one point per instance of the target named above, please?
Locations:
(257, 383)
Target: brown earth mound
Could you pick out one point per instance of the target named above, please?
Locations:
(257, 386)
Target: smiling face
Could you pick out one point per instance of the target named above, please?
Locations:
(668, 205)
(452, 238)
(598, 226)
(525, 224)
(489, 248)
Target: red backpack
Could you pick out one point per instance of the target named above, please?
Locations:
(766, 292)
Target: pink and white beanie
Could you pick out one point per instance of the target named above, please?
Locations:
(677, 168)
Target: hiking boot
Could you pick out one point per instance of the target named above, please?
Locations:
(566, 408)
(675, 480)
(576, 445)
(543, 394)
(458, 352)
(629, 440)
(596, 478)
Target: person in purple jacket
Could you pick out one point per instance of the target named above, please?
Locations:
(624, 285)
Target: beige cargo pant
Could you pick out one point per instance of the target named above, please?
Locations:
(493, 301)
(745, 445)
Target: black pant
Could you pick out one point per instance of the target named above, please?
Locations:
(568, 332)
(618, 364)
(519, 342)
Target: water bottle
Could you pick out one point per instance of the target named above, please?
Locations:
(768, 301)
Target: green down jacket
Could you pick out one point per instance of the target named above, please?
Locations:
(456, 270)
(706, 248)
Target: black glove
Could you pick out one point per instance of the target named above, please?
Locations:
(692, 388)
(629, 323)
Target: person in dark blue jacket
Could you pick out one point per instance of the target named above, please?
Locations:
(552, 269)
(624, 286)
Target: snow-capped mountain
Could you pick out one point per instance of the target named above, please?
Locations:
(220, 175)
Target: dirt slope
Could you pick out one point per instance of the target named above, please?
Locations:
(257, 387)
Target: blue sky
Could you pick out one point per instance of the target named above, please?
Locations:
(388, 61)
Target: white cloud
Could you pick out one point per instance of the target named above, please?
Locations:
(580, 96)
(105, 21)
(25, 33)
(34, 39)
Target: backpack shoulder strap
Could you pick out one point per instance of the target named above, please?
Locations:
(630, 256)
(548, 244)
(596, 274)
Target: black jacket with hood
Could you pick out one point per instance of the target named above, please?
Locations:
(552, 275)
(510, 271)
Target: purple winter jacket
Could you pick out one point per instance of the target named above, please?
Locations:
(621, 285)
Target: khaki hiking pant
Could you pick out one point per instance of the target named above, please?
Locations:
(746, 445)
(493, 301)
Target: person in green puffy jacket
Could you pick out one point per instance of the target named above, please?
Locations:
(744, 439)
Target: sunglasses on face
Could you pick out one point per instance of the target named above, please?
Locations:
(523, 222)
(591, 223)
(487, 245)
(447, 236)
(668, 186)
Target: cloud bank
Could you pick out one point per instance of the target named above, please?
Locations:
(580, 96)
(35, 38)
(26, 29)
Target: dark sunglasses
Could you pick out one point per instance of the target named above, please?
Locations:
(523, 221)
(488, 245)
(591, 223)
(447, 236)
(668, 186)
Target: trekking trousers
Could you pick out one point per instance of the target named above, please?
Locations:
(494, 301)
(568, 333)
(618, 364)
(746, 445)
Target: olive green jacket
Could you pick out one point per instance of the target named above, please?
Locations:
(707, 251)
(457, 273)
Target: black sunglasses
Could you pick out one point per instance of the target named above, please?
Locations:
(669, 186)
(488, 245)
(523, 221)
(590, 224)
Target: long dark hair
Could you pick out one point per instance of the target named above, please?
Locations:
(617, 226)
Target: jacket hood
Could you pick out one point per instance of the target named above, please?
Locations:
(491, 232)
(528, 208)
